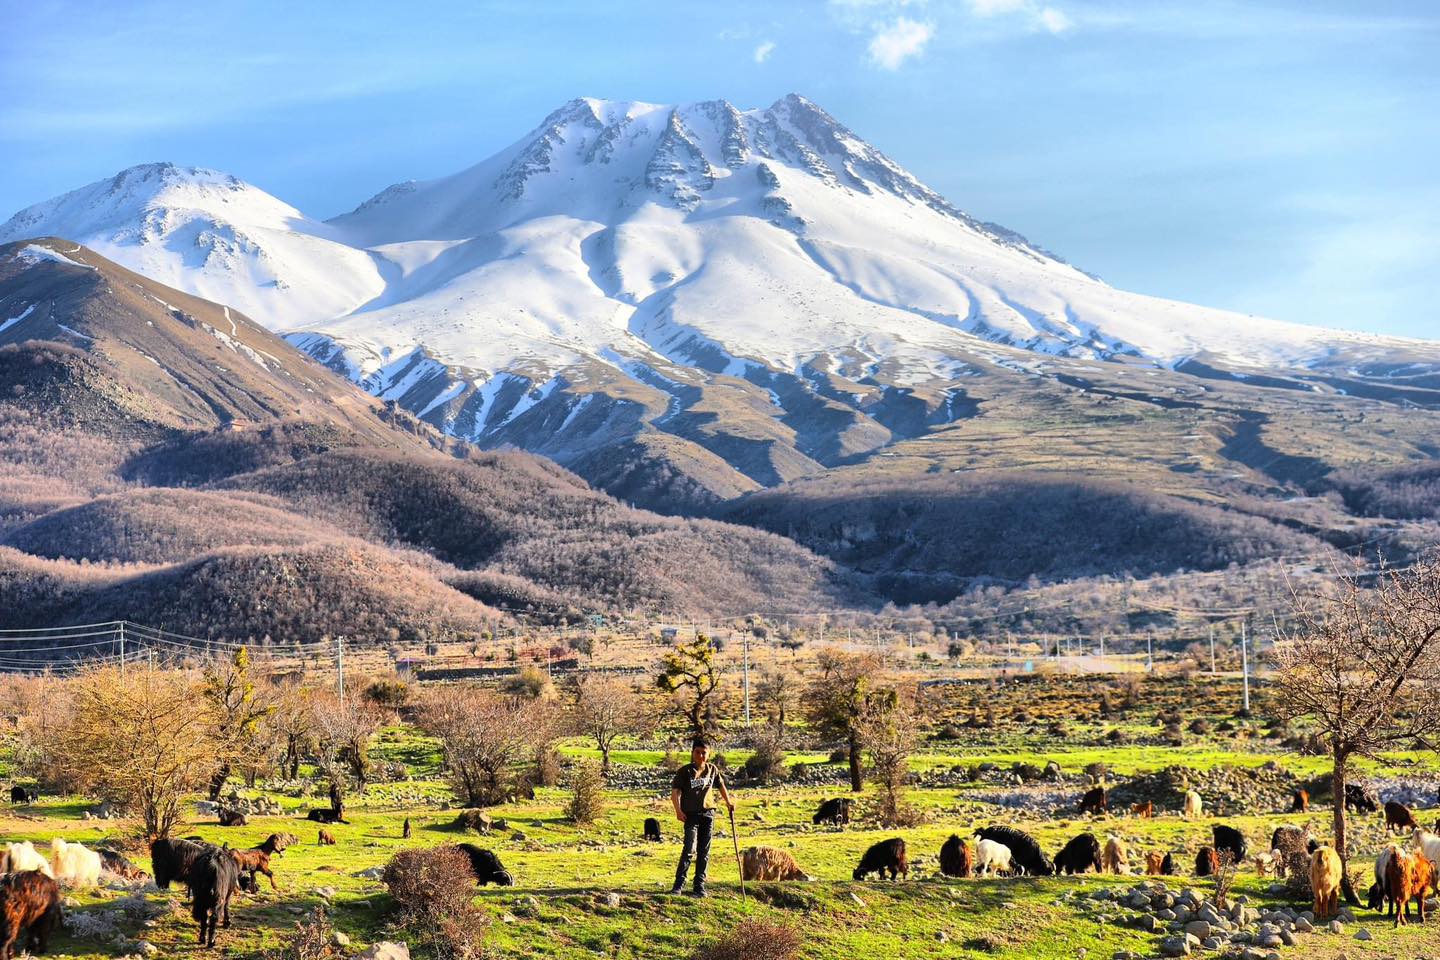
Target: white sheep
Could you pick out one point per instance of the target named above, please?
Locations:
(22, 857)
(1428, 844)
(991, 857)
(75, 865)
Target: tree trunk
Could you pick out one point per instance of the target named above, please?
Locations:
(1346, 887)
(605, 759)
(217, 782)
(856, 781)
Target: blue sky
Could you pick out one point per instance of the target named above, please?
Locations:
(1273, 157)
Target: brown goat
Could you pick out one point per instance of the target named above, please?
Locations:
(29, 908)
(327, 839)
(1301, 802)
(253, 861)
(1399, 817)
(1145, 810)
(1408, 876)
(767, 863)
(1154, 863)
(1207, 862)
(1326, 873)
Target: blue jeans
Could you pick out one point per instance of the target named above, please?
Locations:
(697, 847)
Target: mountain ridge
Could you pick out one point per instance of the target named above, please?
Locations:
(728, 298)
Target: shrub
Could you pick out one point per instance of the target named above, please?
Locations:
(587, 800)
(753, 940)
(432, 890)
(312, 939)
(767, 763)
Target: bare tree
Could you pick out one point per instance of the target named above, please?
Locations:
(776, 692)
(692, 666)
(293, 726)
(607, 708)
(485, 736)
(836, 700)
(1363, 663)
(241, 712)
(343, 729)
(143, 739)
(889, 731)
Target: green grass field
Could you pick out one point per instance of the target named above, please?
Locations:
(560, 907)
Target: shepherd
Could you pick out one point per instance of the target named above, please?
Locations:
(693, 796)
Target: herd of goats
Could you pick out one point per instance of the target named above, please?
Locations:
(30, 882)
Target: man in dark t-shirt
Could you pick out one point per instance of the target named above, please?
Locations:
(693, 795)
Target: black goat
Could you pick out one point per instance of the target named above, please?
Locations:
(1079, 855)
(1025, 853)
(487, 866)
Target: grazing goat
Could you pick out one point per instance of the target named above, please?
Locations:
(1265, 863)
(277, 842)
(1408, 876)
(1095, 801)
(29, 908)
(1326, 874)
(887, 856)
(74, 865)
(835, 811)
(767, 863)
(22, 856)
(1144, 811)
(1115, 858)
(1194, 806)
(231, 818)
(253, 861)
(652, 830)
(1360, 799)
(1154, 863)
(1207, 862)
(213, 880)
(19, 794)
(1300, 802)
(326, 838)
(1231, 841)
(991, 857)
(486, 866)
(173, 861)
(1024, 851)
(956, 857)
(1167, 866)
(1080, 854)
(112, 861)
(1399, 817)
(405, 830)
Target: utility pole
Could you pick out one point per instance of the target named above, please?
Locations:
(747, 679)
(122, 648)
(1212, 649)
(340, 667)
(1245, 661)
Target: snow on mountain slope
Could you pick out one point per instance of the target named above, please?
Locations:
(770, 235)
(760, 287)
(212, 235)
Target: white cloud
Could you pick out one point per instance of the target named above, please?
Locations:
(994, 8)
(1054, 20)
(762, 52)
(891, 46)
(1050, 19)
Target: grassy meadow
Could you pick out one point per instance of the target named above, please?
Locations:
(599, 890)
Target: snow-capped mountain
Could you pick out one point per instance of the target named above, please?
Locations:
(212, 235)
(762, 284)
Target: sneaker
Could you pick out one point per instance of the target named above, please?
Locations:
(699, 893)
